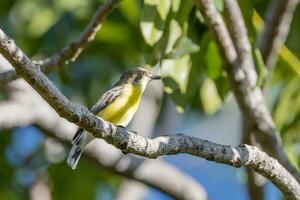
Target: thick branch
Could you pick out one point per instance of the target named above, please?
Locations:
(72, 51)
(130, 142)
(154, 173)
(278, 19)
(243, 81)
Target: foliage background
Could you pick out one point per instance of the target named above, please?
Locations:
(170, 33)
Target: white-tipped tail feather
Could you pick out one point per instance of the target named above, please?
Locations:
(79, 141)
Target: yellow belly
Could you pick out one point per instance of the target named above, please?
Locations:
(121, 111)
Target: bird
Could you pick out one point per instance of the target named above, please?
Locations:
(117, 106)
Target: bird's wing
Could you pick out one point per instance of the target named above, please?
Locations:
(106, 99)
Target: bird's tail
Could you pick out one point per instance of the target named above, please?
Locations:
(79, 141)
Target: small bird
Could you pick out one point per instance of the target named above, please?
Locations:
(118, 105)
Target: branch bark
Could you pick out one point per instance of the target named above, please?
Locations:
(243, 81)
(129, 142)
(238, 32)
(154, 173)
(278, 19)
(73, 50)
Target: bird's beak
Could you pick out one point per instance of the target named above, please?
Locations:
(155, 77)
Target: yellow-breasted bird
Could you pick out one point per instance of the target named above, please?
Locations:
(118, 105)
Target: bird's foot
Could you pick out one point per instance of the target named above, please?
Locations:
(120, 126)
(124, 152)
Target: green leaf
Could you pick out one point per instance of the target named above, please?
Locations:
(223, 86)
(213, 66)
(177, 69)
(163, 7)
(247, 9)
(220, 5)
(130, 10)
(182, 14)
(289, 100)
(212, 60)
(182, 79)
(153, 19)
(183, 47)
(176, 5)
(176, 76)
(210, 98)
(174, 34)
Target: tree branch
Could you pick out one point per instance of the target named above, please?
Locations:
(238, 32)
(73, 50)
(129, 142)
(243, 82)
(154, 173)
(278, 19)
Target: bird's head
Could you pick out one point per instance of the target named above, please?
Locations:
(138, 77)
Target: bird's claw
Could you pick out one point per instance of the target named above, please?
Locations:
(121, 127)
(124, 152)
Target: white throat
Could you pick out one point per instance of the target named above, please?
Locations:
(144, 83)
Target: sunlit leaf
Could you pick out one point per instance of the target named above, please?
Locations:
(289, 101)
(219, 4)
(153, 19)
(178, 70)
(210, 99)
(174, 34)
(182, 47)
(176, 76)
(176, 5)
(163, 7)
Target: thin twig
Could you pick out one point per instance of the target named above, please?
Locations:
(278, 19)
(73, 50)
(238, 32)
